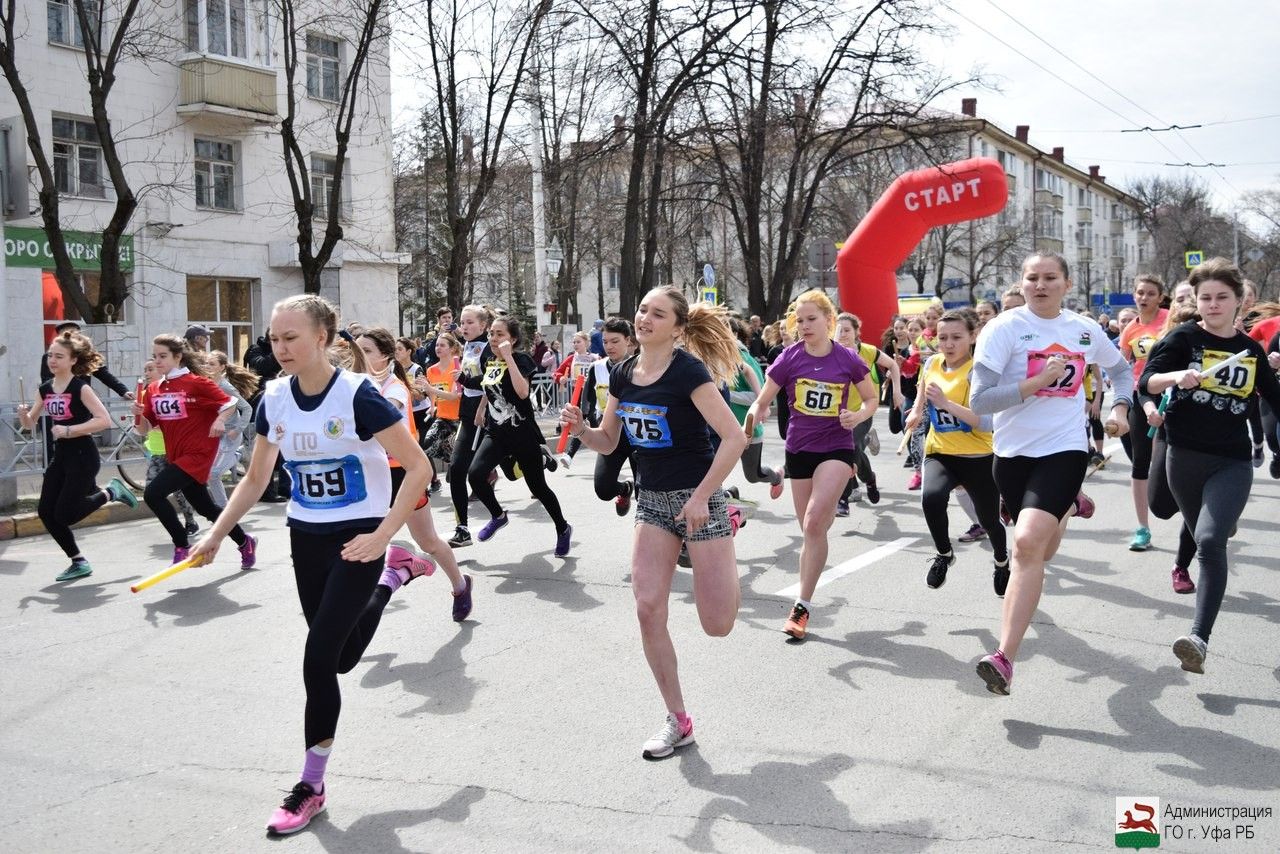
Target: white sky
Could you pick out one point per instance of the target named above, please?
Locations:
(1185, 62)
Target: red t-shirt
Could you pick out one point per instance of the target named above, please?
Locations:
(1264, 329)
(183, 408)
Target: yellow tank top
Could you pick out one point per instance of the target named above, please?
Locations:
(866, 352)
(948, 434)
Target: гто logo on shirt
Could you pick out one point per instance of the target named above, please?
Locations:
(333, 427)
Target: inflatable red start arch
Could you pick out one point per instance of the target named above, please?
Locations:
(867, 264)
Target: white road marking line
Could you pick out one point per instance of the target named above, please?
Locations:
(852, 565)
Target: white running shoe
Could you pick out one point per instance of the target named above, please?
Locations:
(873, 442)
(665, 741)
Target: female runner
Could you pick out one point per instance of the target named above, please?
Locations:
(442, 388)
(957, 449)
(618, 338)
(744, 391)
(1209, 458)
(68, 492)
(240, 384)
(818, 376)
(335, 432)
(1029, 371)
(153, 446)
(377, 351)
(417, 387)
(510, 431)
(191, 412)
(663, 400)
(1136, 341)
(473, 325)
(882, 366)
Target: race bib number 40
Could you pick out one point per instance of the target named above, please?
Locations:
(58, 406)
(1236, 380)
(645, 425)
(1072, 378)
(818, 398)
(327, 484)
(170, 407)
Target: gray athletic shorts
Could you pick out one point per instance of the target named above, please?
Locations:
(660, 508)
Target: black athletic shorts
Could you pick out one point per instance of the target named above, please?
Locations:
(802, 464)
(1047, 483)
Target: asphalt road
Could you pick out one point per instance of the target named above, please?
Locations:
(171, 720)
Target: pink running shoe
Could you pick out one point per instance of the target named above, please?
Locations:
(299, 807)
(403, 556)
(914, 483)
(1084, 506)
(181, 553)
(1182, 582)
(736, 519)
(997, 672)
(775, 489)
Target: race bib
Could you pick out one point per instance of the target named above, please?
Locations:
(818, 398)
(1142, 346)
(602, 396)
(1069, 383)
(58, 406)
(645, 425)
(945, 422)
(170, 407)
(494, 372)
(327, 484)
(1236, 380)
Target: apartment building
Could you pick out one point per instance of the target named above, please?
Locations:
(214, 238)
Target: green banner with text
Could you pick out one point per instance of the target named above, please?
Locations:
(29, 247)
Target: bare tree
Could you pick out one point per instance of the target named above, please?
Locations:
(1261, 260)
(110, 33)
(1179, 214)
(780, 124)
(363, 24)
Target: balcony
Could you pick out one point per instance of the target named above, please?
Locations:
(1117, 228)
(1012, 181)
(1049, 244)
(1084, 215)
(1044, 198)
(213, 87)
(1084, 254)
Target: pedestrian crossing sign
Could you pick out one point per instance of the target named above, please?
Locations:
(1194, 258)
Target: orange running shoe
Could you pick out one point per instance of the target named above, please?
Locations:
(798, 623)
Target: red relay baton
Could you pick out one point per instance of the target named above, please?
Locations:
(137, 398)
(573, 401)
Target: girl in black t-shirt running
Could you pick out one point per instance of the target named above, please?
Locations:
(663, 400)
(68, 493)
(510, 430)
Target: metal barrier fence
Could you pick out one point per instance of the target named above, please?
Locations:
(119, 446)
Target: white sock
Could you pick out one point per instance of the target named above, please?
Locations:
(966, 504)
(805, 603)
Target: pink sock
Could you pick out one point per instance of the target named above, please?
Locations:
(685, 721)
(313, 767)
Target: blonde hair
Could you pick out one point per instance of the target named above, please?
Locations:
(319, 309)
(707, 336)
(817, 298)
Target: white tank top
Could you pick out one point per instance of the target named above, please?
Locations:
(336, 475)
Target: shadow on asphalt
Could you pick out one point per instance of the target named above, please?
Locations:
(1211, 757)
(442, 682)
(875, 650)
(195, 606)
(550, 579)
(791, 804)
(74, 596)
(380, 832)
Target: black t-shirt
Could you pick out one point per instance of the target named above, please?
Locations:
(1212, 418)
(66, 408)
(506, 409)
(669, 435)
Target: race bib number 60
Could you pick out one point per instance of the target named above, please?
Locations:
(1072, 378)
(645, 425)
(819, 398)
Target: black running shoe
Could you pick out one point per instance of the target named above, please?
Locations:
(873, 493)
(938, 570)
(622, 504)
(461, 538)
(1000, 578)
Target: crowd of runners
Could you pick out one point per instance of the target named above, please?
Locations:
(1003, 407)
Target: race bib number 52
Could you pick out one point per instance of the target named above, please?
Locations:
(1066, 385)
(819, 398)
(645, 425)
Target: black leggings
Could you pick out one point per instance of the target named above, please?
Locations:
(69, 492)
(1211, 492)
(342, 610)
(1161, 501)
(752, 469)
(942, 474)
(1255, 421)
(173, 479)
(1137, 445)
(1269, 426)
(524, 444)
(460, 462)
(609, 466)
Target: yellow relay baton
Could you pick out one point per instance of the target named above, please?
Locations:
(152, 580)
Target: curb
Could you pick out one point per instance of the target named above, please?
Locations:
(29, 524)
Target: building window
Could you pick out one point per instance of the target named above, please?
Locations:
(612, 278)
(322, 67)
(57, 310)
(218, 27)
(64, 26)
(323, 170)
(77, 158)
(215, 175)
(225, 306)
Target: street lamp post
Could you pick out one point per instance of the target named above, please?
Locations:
(555, 258)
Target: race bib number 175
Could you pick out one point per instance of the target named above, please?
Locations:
(645, 425)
